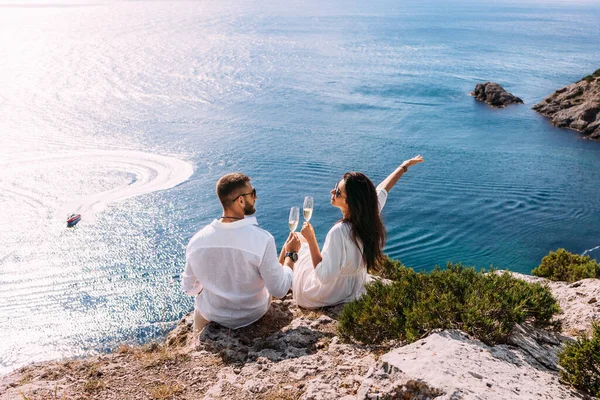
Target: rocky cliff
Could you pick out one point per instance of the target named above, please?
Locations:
(576, 106)
(296, 354)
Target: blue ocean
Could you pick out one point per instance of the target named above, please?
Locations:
(129, 112)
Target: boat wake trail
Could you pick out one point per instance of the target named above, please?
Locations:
(590, 250)
(151, 173)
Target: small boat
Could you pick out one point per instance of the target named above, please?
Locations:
(73, 220)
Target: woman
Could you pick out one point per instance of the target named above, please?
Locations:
(353, 246)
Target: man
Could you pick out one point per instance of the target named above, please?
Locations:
(232, 264)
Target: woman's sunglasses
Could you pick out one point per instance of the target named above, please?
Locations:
(337, 192)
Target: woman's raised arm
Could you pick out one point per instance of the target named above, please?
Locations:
(389, 182)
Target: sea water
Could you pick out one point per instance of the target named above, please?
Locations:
(129, 112)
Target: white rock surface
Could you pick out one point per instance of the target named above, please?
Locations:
(579, 302)
(454, 366)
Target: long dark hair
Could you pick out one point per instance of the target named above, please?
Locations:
(365, 222)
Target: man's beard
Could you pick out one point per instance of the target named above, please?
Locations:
(249, 209)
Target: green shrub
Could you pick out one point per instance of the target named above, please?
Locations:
(565, 266)
(580, 362)
(486, 305)
(590, 78)
(392, 269)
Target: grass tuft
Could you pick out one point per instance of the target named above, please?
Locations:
(165, 391)
(93, 385)
(25, 378)
(125, 349)
(160, 356)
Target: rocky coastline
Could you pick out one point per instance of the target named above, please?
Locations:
(294, 353)
(575, 107)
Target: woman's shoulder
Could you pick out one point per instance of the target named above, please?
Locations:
(341, 228)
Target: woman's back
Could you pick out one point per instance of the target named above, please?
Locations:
(340, 276)
(338, 273)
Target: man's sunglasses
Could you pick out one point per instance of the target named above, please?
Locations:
(253, 193)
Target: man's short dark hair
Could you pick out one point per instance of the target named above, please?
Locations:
(230, 183)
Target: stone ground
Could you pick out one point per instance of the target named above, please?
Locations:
(451, 365)
(295, 354)
(290, 354)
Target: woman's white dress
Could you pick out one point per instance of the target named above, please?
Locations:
(341, 275)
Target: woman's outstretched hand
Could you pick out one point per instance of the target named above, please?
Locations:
(389, 182)
(308, 232)
(412, 161)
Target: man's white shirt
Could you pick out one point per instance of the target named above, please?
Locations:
(235, 270)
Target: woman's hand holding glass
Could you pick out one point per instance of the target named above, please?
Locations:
(308, 232)
(292, 243)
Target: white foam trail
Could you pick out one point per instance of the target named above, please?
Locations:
(590, 250)
(152, 173)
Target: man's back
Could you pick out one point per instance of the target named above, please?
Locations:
(235, 267)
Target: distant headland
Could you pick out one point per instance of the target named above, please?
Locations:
(576, 106)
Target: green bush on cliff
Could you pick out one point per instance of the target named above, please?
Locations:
(392, 269)
(565, 266)
(580, 362)
(592, 77)
(485, 305)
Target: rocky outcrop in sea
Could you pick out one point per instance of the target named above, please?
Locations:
(494, 95)
(293, 353)
(576, 106)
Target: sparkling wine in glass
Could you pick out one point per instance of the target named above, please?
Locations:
(308, 207)
(294, 218)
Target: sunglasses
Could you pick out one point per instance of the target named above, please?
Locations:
(337, 192)
(253, 193)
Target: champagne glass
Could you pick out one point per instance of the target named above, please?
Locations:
(308, 207)
(294, 218)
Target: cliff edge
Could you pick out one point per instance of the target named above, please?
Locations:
(293, 353)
